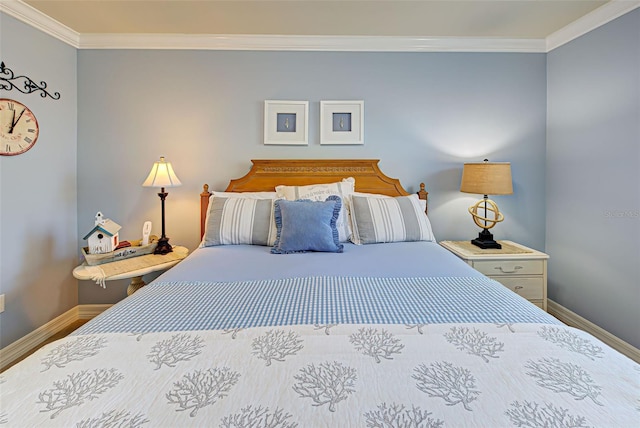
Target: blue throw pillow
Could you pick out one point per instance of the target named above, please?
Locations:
(306, 225)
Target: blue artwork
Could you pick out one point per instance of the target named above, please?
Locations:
(341, 122)
(286, 122)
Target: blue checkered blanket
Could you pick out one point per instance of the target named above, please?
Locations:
(185, 306)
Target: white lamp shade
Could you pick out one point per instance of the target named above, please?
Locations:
(162, 175)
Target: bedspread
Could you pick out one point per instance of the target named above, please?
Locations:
(199, 305)
(345, 375)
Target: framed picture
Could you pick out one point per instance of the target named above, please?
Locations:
(286, 122)
(341, 122)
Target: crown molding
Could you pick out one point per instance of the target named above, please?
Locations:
(42, 22)
(602, 15)
(33, 17)
(308, 43)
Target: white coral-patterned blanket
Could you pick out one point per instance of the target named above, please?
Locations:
(436, 375)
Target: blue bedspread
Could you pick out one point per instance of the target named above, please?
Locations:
(194, 305)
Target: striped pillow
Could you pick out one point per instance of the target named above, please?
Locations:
(236, 220)
(377, 220)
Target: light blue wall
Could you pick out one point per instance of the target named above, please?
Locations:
(38, 200)
(593, 176)
(425, 114)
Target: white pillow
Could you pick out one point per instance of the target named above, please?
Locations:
(240, 218)
(388, 219)
(320, 192)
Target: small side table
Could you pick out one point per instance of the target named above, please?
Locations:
(519, 268)
(134, 268)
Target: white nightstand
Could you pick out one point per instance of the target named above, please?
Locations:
(134, 268)
(519, 268)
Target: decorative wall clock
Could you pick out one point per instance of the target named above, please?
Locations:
(18, 128)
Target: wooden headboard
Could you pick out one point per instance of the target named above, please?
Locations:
(266, 174)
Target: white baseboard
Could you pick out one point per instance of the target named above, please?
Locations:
(574, 320)
(86, 312)
(22, 346)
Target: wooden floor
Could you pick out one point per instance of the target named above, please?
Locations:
(56, 336)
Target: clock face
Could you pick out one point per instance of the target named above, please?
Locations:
(18, 128)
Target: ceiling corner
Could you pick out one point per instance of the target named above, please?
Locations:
(602, 15)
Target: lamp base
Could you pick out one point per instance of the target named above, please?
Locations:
(163, 246)
(485, 240)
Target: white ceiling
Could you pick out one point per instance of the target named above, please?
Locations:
(517, 19)
(329, 25)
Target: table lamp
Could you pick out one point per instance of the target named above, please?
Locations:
(486, 178)
(162, 176)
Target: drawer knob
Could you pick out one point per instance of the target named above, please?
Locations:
(518, 287)
(514, 270)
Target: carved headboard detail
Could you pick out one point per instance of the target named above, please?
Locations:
(266, 174)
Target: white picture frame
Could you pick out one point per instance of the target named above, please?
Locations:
(341, 122)
(286, 122)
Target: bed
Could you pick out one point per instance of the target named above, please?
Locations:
(251, 332)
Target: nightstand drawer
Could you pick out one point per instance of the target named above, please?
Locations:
(509, 267)
(519, 268)
(529, 288)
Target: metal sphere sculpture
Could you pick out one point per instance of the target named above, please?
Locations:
(488, 206)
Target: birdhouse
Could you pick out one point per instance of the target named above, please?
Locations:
(103, 238)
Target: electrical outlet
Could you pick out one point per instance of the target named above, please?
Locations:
(1, 302)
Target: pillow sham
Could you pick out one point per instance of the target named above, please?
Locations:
(422, 202)
(240, 220)
(390, 219)
(241, 195)
(320, 192)
(306, 225)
